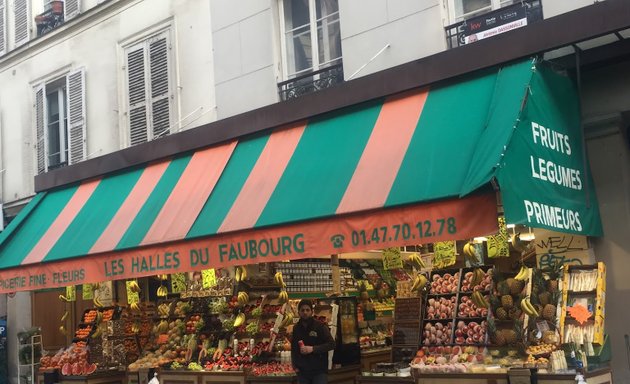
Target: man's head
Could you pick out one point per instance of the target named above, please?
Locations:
(305, 309)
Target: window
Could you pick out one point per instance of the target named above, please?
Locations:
(463, 9)
(149, 91)
(311, 35)
(60, 121)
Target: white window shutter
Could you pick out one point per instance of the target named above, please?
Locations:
(21, 17)
(40, 128)
(137, 97)
(75, 85)
(71, 8)
(3, 27)
(160, 89)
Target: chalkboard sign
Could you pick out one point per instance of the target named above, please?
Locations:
(406, 338)
(407, 309)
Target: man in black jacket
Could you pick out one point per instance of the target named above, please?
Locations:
(310, 344)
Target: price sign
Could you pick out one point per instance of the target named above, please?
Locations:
(208, 278)
(444, 254)
(71, 293)
(392, 259)
(132, 297)
(498, 245)
(87, 292)
(178, 282)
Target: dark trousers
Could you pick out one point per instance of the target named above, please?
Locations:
(312, 378)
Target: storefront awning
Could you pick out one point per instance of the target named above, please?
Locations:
(408, 169)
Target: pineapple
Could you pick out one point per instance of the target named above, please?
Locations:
(515, 313)
(545, 298)
(501, 313)
(510, 336)
(507, 301)
(497, 337)
(549, 312)
(515, 286)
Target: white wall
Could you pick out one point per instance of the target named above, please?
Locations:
(94, 43)
(244, 55)
(413, 29)
(553, 8)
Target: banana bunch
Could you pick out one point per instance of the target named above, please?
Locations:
(135, 328)
(479, 300)
(287, 320)
(528, 308)
(164, 309)
(279, 280)
(477, 277)
(162, 326)
(470, 252)
(63, 298)
(134, 287)
(97, 302)
(65, 316)
(523, 274)
(162, 277)
(135, 306)
(98, 332)
(240, 274)
(242, 298)
(518, 244)
(416, 261)
(62, 330)
(419, 282)
(162, 291)
(99, 317)
(283, 297)
(239, 320)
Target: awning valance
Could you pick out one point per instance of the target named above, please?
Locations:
(403, 170)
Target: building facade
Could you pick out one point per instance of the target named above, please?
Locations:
(90, 86)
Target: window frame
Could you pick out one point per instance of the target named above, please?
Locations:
(69, 83)
(313, 21)
(63, 130)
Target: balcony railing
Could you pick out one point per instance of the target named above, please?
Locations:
(51, 18)
(311, 82)
(493, 23)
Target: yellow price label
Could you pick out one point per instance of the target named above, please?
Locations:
(498, 245)
(444, 254)
(178, 282)
(87, 292)
(208, 278)
(132, 297)
(71, 293)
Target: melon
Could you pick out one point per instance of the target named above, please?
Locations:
(89, 369)
(66, 369)
(77, 369)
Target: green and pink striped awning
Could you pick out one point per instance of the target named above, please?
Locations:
(384, 173)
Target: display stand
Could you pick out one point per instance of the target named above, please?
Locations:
(27, 371)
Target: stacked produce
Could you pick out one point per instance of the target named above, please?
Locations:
(441, 307)
(446, 283)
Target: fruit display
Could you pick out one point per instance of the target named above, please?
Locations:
(272, 369)
(447, 359)
(441, 308)
(72, 361)
(470, 332)
(472, 306)
(443, 284)
(477, 280)
(83, 331)
(437, 333)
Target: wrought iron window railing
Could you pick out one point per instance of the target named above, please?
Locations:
(492, 23)
(51, 18)
(311, 82)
